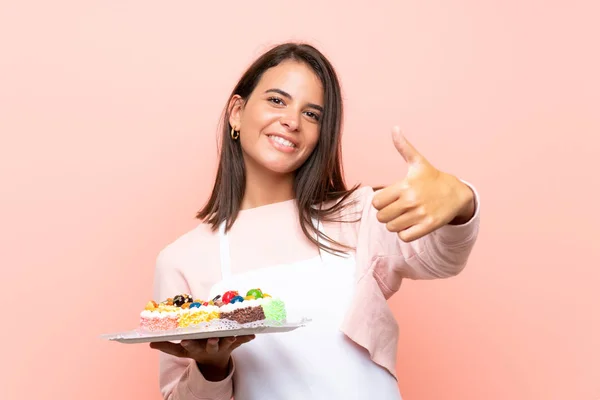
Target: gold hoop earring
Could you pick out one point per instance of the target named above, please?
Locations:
(234, 134)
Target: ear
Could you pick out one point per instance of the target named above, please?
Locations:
(235, 109)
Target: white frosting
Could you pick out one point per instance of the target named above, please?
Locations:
(242, 304)
(157, 314)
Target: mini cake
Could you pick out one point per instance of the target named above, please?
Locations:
(183, 311)
(197, 314)
(243, 309)
(161, 317)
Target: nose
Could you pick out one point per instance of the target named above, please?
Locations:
(291, 121)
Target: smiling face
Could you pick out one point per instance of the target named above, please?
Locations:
(279, 123)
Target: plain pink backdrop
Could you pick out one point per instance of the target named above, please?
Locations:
(108, 114)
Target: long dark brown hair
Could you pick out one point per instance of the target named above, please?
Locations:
(319, 180)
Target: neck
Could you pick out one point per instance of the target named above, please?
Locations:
(266, 187)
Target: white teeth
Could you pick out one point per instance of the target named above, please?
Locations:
(282, 141)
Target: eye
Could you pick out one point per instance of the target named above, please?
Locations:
(276, 100)
(313, 115)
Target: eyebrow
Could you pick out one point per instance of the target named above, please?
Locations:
(289, 96)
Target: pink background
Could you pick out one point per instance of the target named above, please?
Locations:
(108, 115)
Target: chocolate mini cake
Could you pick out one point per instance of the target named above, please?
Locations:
(242, 313)
(255, 306)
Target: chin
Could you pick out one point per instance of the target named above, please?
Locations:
(276, 163)
(280, 168)
(279, 165)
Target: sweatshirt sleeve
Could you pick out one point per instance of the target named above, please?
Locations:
(180, 378)
(440, 254)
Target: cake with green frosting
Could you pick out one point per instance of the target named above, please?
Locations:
(274, 310)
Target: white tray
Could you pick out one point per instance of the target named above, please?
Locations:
(202, 332)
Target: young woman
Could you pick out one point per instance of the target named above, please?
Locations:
(281, 218)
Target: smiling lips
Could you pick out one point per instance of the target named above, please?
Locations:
(282, 143)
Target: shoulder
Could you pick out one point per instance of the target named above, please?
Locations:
(189, 248)
(346, 223)
(358, 202)
(364, 195)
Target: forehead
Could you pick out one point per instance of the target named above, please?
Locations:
(295, 78)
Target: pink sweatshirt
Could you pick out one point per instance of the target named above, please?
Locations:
(271, 235)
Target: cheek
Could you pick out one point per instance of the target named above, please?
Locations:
(249, 125)
(313, 139)
(257, 114)
(249, 134)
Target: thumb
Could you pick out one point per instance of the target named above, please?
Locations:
(406, 150)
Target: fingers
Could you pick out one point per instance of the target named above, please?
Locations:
(226, 342)
(245, 338)
(387, 196)
(394, 210)
(403, 221)
(192, 348)
(407, 219)
(413, 233)
(405, 148)
(209, 346)
(173, 349)
(240, 340)
(212, 346)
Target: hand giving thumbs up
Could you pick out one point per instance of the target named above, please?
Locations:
(424, 200)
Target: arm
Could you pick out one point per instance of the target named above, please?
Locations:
(442, 253)
(181, 378)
